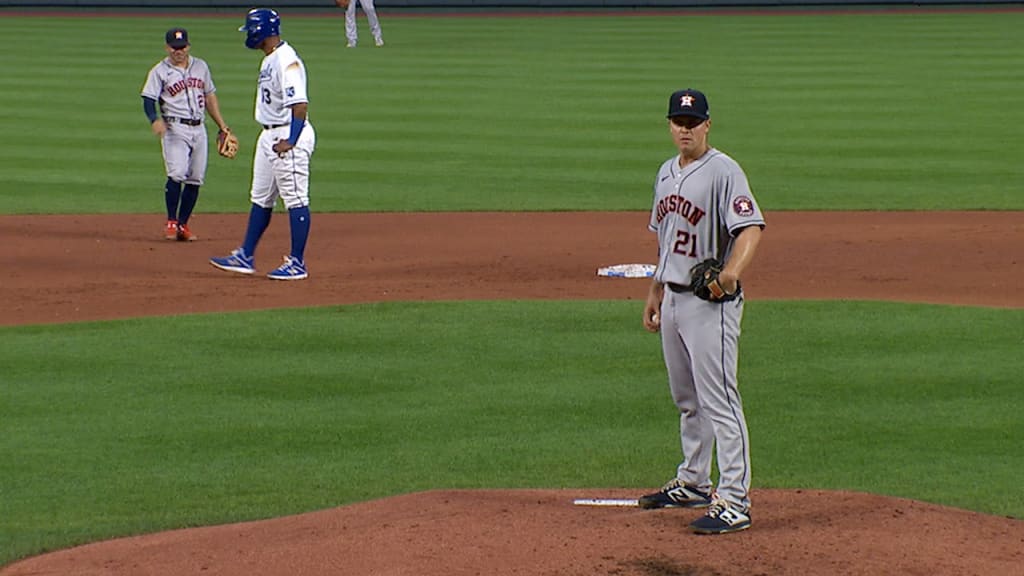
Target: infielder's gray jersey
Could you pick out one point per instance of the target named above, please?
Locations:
(181, 92)
(696, 211)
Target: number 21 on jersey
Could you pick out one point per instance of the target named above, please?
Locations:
(686, 244)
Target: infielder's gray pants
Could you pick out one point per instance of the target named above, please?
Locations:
(185, 148)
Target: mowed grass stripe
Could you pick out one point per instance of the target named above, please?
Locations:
(872, 111)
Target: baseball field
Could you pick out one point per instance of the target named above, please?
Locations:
(453, 373)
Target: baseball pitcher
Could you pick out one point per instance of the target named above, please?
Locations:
(708, 226)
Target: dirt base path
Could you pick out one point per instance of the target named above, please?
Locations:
(79, 268)
(75, 268)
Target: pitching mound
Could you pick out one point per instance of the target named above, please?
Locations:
(526, 532)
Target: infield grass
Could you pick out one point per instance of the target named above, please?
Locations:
(114, 428)
(841, 111)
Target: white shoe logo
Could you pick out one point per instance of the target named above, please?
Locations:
(730, 516)
(679, 494)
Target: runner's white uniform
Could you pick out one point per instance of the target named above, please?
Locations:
(282, 83)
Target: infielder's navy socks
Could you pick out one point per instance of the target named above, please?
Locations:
(172, 195)
(300, 230)
(259, 219)
(189, 197)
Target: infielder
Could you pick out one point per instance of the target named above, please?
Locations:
(703, 208)
(178, 93)
(351, 31)
(281, 164)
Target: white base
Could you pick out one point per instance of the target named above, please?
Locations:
(627, 270)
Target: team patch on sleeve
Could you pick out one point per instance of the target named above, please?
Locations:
(290, 92)
(743, 206)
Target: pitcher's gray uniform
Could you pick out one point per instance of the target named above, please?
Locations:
(698, 210)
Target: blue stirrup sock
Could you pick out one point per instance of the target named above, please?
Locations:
(189, 197)
(172, 195)
(259, 219)
(299, 218)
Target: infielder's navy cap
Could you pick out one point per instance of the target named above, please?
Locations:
(688, 102)
(177, 38)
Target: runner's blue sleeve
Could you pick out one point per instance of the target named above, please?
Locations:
(297, 125)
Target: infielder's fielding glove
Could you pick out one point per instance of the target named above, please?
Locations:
(342, 3)
(704, 282)
(227, 143)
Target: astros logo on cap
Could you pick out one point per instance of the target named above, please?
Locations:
(177, 35)
(686, 100)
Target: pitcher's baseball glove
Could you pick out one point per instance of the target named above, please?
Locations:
(704, 282)
(342, 3)
(227, 143)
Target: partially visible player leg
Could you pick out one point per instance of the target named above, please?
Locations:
(172, 197)
(371, 17)
(291, 174)
(691, 488)
(189, 197)
(715, 363)
(351, 32)
(176, 162)
(263, 196)
(717, 387)
(197, 174)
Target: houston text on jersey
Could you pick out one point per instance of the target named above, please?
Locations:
(679, 205)
(190, 82)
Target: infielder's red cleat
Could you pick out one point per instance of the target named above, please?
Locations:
(185, 235)
(171, 230)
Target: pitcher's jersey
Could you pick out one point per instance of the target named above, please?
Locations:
(282, 84)
(181, 92)
(697, 210)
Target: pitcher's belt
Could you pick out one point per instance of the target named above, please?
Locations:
(685, 289)
(272, 126)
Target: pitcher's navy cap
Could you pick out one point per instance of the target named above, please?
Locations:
(177, 38)
(688, 102)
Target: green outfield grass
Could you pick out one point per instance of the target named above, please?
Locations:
(112, 428)
(845, 111)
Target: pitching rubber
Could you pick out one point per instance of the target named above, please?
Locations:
(621, 502)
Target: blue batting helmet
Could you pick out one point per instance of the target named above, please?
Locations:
(260, 24)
